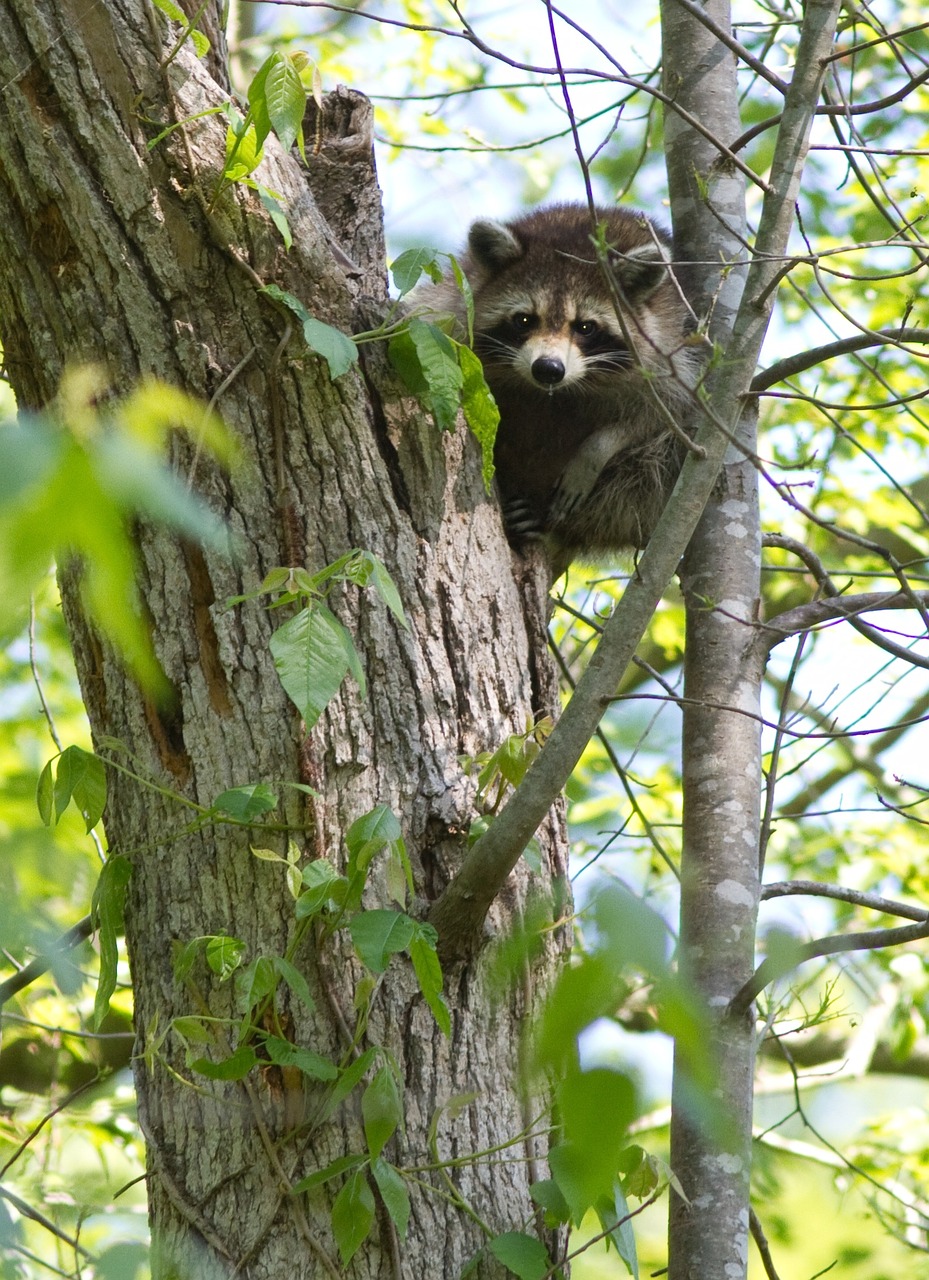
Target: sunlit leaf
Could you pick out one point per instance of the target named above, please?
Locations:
(313, 652)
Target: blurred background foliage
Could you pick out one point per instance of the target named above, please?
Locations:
(842, 1175)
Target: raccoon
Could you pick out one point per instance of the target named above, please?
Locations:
(585, 454)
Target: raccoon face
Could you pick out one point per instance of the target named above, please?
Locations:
(548, 342)
(544, 316)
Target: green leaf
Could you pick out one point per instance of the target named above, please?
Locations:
(153, 410)
(428, 972)
(525, 1256)
(331, 1171)
(243, 803)
(185, 957)
(44, 794)
(378, 934)
(547, 1194)
(285, 100)
(399, 880)
(224, 954)
(381, 1110)
(352, 1215)
(80, 776)
(597, 1107)
(171, 10)
(92, 474)
(336, 347)
(386, 588)
(176, 14)
(122, 1261)
(257, 101)
(267, 855)
(30, 453)
(568, 1164)
(632, 931)
(407, 269)
(244, 151)
(277, 215)
(614, 1219)
(193, 1029)
(582, 993)
(295, 980)
(235, 1067)
(323, 885)
(479, 408)
(109, 901)
(312, 654)
(368, 835)
(394, 1194)
(254, 983)
(126, 471)
(427, 361)
(284, 1054)
(349, 1078)
(467, 293)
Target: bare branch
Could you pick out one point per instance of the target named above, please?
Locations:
(857, 898)
(761, 1244)
(869, 940)
(803, 360)
(834, 109)
(837, 605)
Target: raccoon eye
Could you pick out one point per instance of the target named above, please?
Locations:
(523, 319)
(585, 328)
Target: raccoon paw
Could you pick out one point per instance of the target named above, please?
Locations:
(523, 520)
(565, 504)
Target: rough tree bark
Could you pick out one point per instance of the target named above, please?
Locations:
(109, 253)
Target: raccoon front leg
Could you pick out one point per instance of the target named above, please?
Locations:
(524, 519)
(579, 477)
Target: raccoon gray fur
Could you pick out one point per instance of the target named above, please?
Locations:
(585, 457)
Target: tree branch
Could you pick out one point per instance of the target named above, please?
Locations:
(831, 109)
(775, 967)
(838, 606)
(792, 365)
(41, 964)
(728, 39)
(873, 901)
(459, 913)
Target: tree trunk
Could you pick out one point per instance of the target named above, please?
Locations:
(722, 776)
(111, 253)
(708, 1232)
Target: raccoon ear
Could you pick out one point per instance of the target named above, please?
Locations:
(641, 271)
(493, 244)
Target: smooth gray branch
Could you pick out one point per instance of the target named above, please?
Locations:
(793, 365)
(775, 967)
(857, 898)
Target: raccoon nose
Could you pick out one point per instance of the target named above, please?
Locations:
(548, 370)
